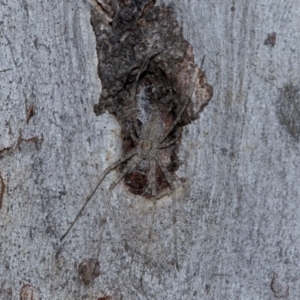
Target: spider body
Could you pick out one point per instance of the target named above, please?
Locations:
(152, 142)
(164, 88)
(146, 178)
(142, 163)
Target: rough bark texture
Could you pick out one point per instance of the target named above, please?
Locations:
(148, 76)
(238, 211)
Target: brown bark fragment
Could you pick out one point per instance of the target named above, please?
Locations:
(27, 293)
(146, 66)
(88, 270)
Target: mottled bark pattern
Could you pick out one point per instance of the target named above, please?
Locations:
(146, 65)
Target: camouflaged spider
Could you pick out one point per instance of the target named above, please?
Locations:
(151, 139)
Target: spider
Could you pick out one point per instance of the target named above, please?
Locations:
(151, 140)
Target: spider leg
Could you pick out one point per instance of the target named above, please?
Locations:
(165, 172)
(152, 176)
(127, 169)
(170, 183)
(187, 101)
(135, 86)
(145, 63)
(166, 145)
(149, 238)
(137, 130)
(106, 171)
(163, 193)
(137, 127)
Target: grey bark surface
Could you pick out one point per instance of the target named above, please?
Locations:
(238, 211)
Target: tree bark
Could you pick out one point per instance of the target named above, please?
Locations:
(237, 213)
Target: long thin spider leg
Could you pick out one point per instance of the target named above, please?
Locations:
(128, 168)
(106, 171)
(163, 193)
(137, 127)
(187, 101)
(135, 85)
(165, 172)
(134, 138)
(152, 176)
(145, 62)
(145, 191)
(202, 62)
(166, 145)
(169, 180)
(149, 238)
